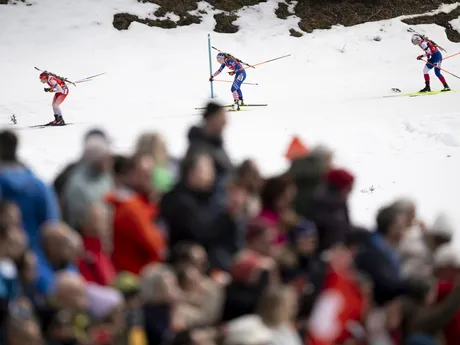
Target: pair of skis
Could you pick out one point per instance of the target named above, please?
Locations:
(242, 107)
(418, 94)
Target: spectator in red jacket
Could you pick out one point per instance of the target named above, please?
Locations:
(339, 310)
(137, 240)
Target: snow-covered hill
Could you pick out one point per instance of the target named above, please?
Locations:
(329, 91)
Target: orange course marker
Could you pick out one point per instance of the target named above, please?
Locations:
(296, 149)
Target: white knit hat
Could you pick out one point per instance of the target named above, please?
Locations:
(442, 226)
(248, 330)
(447, 255)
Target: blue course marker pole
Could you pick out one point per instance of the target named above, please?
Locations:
(210, 64)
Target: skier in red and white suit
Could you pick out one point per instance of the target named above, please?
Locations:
(61, 91)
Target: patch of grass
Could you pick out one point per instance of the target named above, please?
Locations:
(313, 14)
(161, 12)
(176, 6)
(323, 14)
(224, 23)
(282, 11)
(180, 8)
(441, 19)
(295, 33)
(233, 5)
(122, 21)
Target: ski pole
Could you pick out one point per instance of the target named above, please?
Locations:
(89, 78)
(264, 62)
(429, 63)
(230, 81)
(448, 57)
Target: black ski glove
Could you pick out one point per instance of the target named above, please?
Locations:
(211, 78)
(47, 89)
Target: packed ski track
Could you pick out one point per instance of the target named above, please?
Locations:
(330, 90)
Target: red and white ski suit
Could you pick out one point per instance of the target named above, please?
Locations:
(61, 91)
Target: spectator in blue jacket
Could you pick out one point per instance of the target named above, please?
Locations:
(37, 201)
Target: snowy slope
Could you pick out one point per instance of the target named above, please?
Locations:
(155, 77)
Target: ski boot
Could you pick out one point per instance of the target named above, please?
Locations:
(427, 87)
(241, 103)
(58, 121)
(236, 106)
(446, 88)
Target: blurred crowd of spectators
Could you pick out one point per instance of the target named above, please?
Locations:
(148, 249)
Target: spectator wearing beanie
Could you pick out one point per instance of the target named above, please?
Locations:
(329, 209)
(308, 173)
(418, 250)
(89, 182)
(62, 178)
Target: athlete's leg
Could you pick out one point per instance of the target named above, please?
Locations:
(426, 72)
(57, 101)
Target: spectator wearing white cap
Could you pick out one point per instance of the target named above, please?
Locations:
(247, 330)
(418, 247)
(89, 181)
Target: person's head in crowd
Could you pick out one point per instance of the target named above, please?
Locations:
(215, 119)
(152, 144)
(198, 171)
(8, 147)
(440, 232)
(96, 221)
(303, 237)
(138, 174)
(190, 253)
(324, 155)
(340, 256)
(391, 224)
(340, 181)
(159, 285)
(120, 166)
(260, 236)
(22, 327)
(96, 224)
(278, 305)
(70, 291)
(27, 267)
(249, 176)
(61, 244)
(446, 262)
(408, 207)
(97, 152)
(278, 194)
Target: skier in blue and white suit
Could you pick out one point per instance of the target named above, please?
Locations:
(240, 75)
